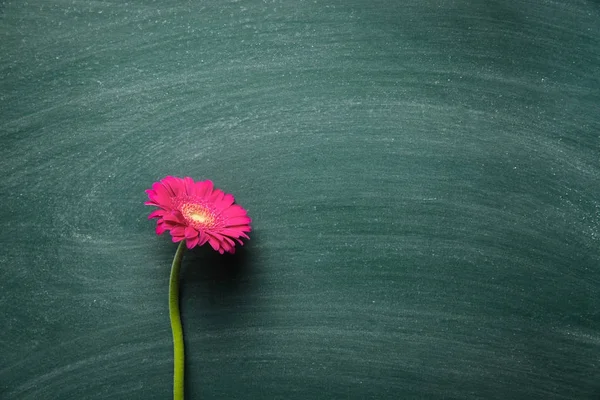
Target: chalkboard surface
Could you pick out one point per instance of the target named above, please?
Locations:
(423, 178)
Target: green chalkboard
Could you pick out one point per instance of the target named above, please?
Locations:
(423, 178)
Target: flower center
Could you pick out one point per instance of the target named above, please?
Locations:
(198, 216)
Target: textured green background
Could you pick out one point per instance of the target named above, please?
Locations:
(423, 178)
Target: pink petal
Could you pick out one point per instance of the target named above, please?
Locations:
(216, 235)
(160, 192)
(233, 221)
(173, 185)
(203, 238)
(177, 239)
(234, 211)
(227, 247)
(225, 202)
(191, 243)
(172, 217)
(156, 214)
(189, 186)
(160, 200)
(160, 229)
(178, 231)
(170, 225)
(234, 232)
(217, 196)
(204, 188)
(229, 241)
(214, 243)
(190, 232)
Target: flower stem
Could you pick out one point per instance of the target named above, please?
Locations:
(178, 349)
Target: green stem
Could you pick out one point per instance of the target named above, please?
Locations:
(178, 349)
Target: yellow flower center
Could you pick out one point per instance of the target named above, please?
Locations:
(198, 216)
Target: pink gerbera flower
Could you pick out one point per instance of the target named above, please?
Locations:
(198, 213)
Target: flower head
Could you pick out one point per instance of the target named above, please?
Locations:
(198, 213)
